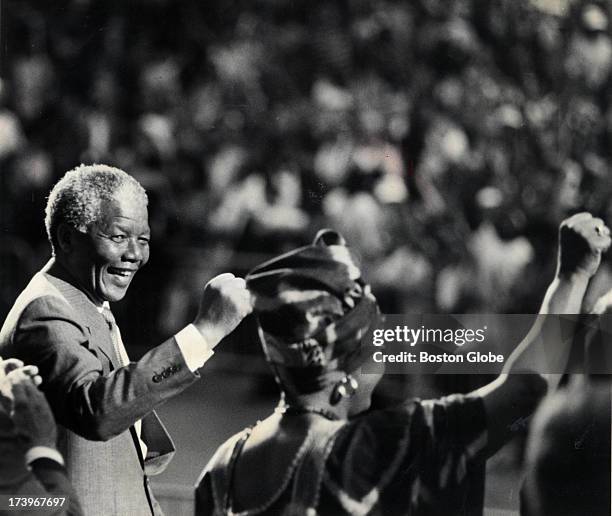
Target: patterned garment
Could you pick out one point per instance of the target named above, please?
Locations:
(313, 308)
(416, 459)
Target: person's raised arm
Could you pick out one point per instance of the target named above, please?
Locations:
(99, 406)
(512, 397)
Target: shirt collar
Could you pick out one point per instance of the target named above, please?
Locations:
(100, 308)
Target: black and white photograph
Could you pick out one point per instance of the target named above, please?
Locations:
(305, 257)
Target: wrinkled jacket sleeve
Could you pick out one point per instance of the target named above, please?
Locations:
(94, 405)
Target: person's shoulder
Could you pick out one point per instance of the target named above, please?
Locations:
(51, 294)
(42, 301)
(39, 296)
(370, 450)
(40, 311)
(377, 437)
(214, 479)
(398, 417)
(374, 436)
(223, 455)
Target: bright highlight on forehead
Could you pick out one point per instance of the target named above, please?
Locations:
(79, 197)
(123, 205)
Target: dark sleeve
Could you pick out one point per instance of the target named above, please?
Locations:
(204, 502)
(410, 451)
(47, 478)
(456, 428)
(454, 443)
(372, 450)
(83, 399)
(54, 479)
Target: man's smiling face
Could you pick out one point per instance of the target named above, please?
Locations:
(105, 258)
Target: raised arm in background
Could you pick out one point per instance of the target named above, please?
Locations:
(523, 382)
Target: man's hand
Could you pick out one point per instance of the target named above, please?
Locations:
(582, 240)
(6, 391)
(31, 414)
(225, 302)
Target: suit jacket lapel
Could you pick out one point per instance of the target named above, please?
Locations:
(85, 311)
(160, 446)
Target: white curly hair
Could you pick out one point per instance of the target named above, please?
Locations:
(77, 197)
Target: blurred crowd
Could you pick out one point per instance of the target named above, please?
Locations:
(445, 140)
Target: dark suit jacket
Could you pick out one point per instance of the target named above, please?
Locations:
(57, 327)
(47, 477)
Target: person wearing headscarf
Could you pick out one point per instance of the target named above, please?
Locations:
(322, 451)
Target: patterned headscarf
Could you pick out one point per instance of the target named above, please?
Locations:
(313, 308)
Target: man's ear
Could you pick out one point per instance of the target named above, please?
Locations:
(65, 237)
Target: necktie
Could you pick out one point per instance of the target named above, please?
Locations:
(118, 347)
(122, 359)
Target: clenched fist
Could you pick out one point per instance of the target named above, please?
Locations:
(582, 240)
(225, 302)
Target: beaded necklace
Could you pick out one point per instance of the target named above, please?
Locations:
(297, 459)
(281, 488)
(291, 410)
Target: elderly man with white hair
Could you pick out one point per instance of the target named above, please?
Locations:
(109, 434)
